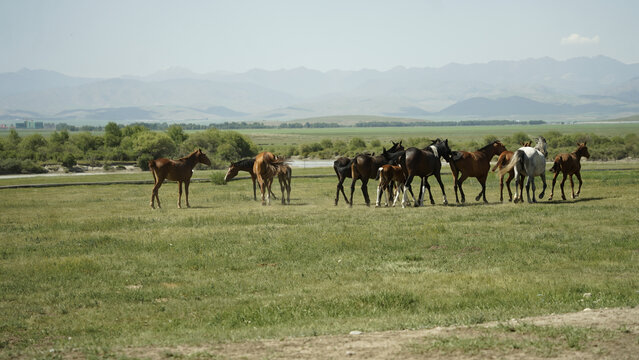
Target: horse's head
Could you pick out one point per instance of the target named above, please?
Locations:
(542, 146)
(396, 146)
(442, 149)
(582, 150)
(498, 147)
(231, 172)
(201, 157)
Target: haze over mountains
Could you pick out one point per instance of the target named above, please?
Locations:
(579, 88)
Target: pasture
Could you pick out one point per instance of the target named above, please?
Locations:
(87, 271)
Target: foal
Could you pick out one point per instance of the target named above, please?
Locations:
(284, 174)
(390, 175)
(179, 170)
(569, 164)
(504, 158)
(474, 164)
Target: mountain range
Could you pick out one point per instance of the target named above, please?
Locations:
(544, 88)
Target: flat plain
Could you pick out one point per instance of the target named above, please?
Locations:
(92, 271)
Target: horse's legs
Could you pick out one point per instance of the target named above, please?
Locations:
(578, 175)
(408, 187)
(186, 192)
(179, 195)
(339, 187)
(380, 190)
(364, 188)
(154, 193)
(482, 182)
(282, 188)
(430, 194)
(254, 178)
(501, 188)
(461, 190)
(529, 181)
(438, 176)
(454, 172)
(511, 175)
(400, 188)
(543, 182)
(572, 187)
(561, 185)
(552, 188)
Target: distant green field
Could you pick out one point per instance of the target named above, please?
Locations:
(86, 271)
(277, 137)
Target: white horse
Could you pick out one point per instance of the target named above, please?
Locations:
(531, 162)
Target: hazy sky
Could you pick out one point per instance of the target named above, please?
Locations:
(113, 38)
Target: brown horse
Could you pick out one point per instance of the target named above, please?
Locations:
(284, 174)
(503, 160)
(364, 167)
(474, 164)
(424, 163)
(569, 164)
(265, 168)
(244, 165)
(179, 170)
(390, 175)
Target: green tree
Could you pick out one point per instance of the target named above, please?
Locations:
(69, 161)
(59, 138)
(356, 143)
(154, 144)
(14, 138)
(176, 133)
(112, 135)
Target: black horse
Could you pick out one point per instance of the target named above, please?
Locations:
(342, 167)
(424, 163)
(364, 167)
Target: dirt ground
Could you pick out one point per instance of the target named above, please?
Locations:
(589, 334)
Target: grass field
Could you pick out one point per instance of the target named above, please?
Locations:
(278, 137)
(89, 270)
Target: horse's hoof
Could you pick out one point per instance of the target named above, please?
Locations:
(445, 202)
(477, 198)
(563, 197)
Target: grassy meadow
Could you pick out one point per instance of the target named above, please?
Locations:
(88, 270)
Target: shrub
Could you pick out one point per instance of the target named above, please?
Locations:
(69, 161)
(217, 178)
(143, 161)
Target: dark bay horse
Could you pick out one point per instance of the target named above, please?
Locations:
(502, 161)
(424, 163)
(244, 165)
(364, 167)
(474, 164)
(179, 170)
(569, 164)
(266, 166)
(342, 167)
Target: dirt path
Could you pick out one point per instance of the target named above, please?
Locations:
(589, 334)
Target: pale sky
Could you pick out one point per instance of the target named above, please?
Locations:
(139, 37)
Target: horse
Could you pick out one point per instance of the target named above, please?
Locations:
(284, 174)
(342, 167)
(179, 170)
(504, 158)
(265, 168)
(530, 162)
(569, 164)
(424, 163)
(389, 175)
(244, 165)
(365, 167)
(474, 164)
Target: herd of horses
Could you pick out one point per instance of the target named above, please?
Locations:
(395, 169)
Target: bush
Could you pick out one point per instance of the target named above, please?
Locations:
(69, 161)
(15, 166)
(217, 178)
(143, 161)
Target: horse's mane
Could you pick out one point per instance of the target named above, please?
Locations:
(189, 155)
(489, 145)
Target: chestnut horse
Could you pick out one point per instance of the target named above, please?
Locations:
(390, 175)
(179, 170)
(569, 164)
(244, 165)
(504, 158)
(474, 164)
(424, 163)
(265, 168)
(365, 167)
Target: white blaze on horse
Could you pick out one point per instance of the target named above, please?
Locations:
(530, 162)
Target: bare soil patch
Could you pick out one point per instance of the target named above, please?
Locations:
(589, 334)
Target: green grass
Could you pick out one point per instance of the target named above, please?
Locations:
(280, 137)
(94, 268)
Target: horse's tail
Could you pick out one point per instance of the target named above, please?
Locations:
(500, 163)
(555, 167)
(518, 157)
